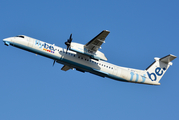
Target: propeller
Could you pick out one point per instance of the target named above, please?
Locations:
(68, 42)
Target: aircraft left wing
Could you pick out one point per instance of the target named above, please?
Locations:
(66, 67)
(93, 45)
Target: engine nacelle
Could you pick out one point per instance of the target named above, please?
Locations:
(81, 49)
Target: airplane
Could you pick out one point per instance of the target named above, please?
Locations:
(88, 58)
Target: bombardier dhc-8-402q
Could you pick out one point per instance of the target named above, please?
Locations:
(87, 58)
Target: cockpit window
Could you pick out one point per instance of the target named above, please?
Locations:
(20, 36)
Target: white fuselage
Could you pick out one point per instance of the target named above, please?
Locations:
(79, 61)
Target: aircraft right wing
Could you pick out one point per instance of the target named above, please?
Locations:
(93, 45)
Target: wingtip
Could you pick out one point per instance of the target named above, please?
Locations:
(173, 56)
(106, 30)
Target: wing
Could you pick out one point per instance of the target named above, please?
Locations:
(93, 45)
(66, 67)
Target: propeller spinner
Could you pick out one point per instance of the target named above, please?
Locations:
(68, 42)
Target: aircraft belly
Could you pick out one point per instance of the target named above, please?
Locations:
(77, 63)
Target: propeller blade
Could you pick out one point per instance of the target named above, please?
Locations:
(68, 42)
(67, 49)
(53, 62)
(70, 39)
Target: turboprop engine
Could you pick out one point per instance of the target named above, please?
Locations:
(80, 48)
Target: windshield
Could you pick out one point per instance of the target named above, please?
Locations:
(20, 36)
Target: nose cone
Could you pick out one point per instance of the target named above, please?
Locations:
(7, 41)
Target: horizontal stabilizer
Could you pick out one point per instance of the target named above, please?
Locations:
(168, 58)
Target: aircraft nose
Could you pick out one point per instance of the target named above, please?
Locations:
(4, 39)
(7, 41)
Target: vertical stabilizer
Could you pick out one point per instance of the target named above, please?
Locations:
(158, 68)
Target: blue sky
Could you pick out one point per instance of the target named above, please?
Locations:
(30, 88)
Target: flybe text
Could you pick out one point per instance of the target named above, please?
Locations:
(158, 72)
(45, 46)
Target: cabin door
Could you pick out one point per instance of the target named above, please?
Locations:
(30, 42)
(115, 70)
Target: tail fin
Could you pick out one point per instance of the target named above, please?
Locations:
(158, 68)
